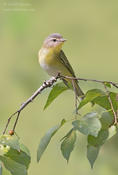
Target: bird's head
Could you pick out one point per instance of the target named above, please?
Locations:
(54, 42)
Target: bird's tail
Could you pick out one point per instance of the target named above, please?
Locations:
(75, 87)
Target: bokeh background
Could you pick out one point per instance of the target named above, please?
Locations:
(91, 28)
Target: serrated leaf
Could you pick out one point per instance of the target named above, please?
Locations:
(90, 96)
(92, 153)
(0, 168)
(89, 124)
(68, 144)
(46, 139)
(55, 92)
(100, 139)
(11, 141)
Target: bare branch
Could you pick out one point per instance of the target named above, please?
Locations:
(45, 85)
(92, 80)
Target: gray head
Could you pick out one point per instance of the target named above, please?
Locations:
(54, 40)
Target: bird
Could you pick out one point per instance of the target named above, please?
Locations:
(54, 61)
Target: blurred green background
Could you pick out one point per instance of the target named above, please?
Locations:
(91, 28)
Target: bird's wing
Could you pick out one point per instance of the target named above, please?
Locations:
(65, 61)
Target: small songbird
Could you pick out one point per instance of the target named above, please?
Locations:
(53, 60)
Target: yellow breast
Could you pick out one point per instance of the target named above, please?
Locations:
(46, 56)
(50, 62)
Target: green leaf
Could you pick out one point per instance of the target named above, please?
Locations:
(68, 144)
(106, 120)
(94, 143)
(55, 92)
(46, 139)
(106, 132)
(112, 131)
(12, 166)
(0, 168)
(12, 141)
(90, 96)
(104, 102)
(89, 124)
(17, 162)
(25, 149)
(22, 157)
(92, 153)
(100, 139)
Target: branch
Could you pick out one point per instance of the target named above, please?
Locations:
(92, 80)
(108, 93)
(45, 85)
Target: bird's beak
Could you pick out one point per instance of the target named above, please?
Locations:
(63, 40)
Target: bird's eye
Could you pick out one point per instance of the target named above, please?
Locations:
(54, 40)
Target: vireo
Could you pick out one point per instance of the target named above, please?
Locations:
(53, 60)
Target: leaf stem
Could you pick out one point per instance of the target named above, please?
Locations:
(111, 104)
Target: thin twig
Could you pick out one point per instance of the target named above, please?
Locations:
(111, 104)
(49, 83)
(45, 85)
(16, 121)
(92, 80)
(9, 119)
